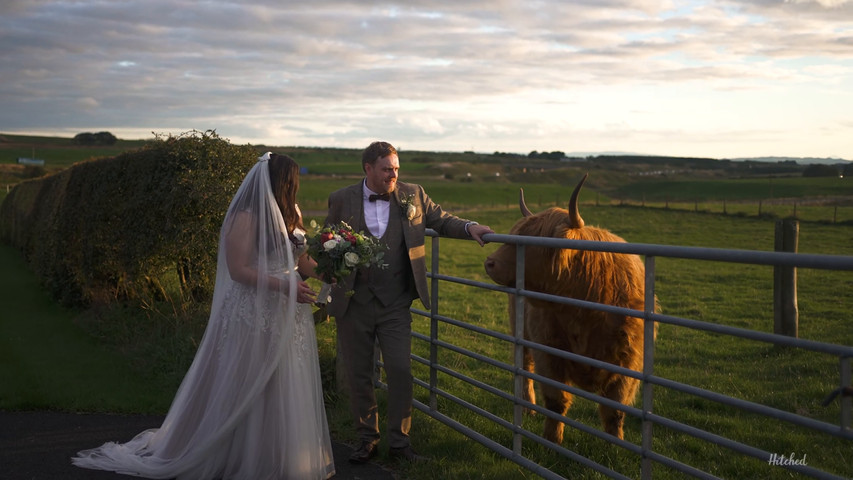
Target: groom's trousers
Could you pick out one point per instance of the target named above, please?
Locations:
(357, 332)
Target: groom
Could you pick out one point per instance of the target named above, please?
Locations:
(397, 213)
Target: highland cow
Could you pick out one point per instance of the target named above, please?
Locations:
(601, 277)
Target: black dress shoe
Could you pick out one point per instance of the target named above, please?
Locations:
(364, 453)
(406, 453)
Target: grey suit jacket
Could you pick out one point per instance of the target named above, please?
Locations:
(347, 205)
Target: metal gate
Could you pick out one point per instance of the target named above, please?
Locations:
(645, 449)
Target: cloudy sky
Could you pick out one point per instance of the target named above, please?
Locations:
(722, 79)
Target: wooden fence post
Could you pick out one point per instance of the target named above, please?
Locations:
(785, 312)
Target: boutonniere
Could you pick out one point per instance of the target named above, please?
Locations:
(409, 208)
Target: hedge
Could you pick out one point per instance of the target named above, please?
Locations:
(140, 226)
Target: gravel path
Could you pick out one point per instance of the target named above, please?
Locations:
(39, 445)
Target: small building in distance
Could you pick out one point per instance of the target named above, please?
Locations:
(31, 161)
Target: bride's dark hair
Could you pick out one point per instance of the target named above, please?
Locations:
(284, 179)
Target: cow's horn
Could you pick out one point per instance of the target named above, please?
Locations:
(524, 210)
(575, 220)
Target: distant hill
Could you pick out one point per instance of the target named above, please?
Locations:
(798, 160)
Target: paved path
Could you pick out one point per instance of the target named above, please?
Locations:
(39, 446)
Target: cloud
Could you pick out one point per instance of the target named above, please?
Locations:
(822, 3)
(448, 75)
(88, 103)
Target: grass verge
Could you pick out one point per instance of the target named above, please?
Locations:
(48, 362)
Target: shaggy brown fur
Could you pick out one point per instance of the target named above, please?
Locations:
(602, 277)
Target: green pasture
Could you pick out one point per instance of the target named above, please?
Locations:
(735, 189)
(157, 340)
(131, 360)
(58, 152)
(451, 195)
(455, 195)
(731, 294)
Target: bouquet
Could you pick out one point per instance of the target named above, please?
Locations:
(338, 250)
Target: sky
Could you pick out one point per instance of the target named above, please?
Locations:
(719, 79)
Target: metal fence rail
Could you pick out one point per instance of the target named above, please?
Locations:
(841, 430)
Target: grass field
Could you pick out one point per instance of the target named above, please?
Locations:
(61, 354)
(48, 362)
(736, 295)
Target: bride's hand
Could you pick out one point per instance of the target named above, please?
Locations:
(304, 293)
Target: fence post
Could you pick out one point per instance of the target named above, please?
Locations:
(518, 350)
(785, 312)
(846, 401)
(648, 366)
(433, 327)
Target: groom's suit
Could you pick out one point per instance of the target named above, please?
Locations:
(378, 307)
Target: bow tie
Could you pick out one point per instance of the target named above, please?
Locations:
(382, 196)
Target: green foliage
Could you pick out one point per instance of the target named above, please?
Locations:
(117, 227)
(100, 138)
(555, 155)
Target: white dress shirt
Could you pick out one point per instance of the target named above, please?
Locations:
(375, 213)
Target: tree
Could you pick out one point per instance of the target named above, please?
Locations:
(84, 139)
(105, 138)
(100, 138)
(820, 170)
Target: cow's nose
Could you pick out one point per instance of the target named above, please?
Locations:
(489, 264)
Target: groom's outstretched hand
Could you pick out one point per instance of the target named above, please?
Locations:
(477, 232)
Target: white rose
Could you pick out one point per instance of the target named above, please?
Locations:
(351, 259)
(330, 244)
(411, 211)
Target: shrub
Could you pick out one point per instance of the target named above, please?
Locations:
(140, 226)
(100, 138)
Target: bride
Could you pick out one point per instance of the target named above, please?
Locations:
(251, 403)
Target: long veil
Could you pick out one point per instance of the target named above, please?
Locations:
(236, 413)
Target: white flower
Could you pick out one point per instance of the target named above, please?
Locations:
(351, 259)
(330, 244)
(409, 208)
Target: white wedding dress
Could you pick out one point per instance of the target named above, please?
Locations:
(251, 404)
